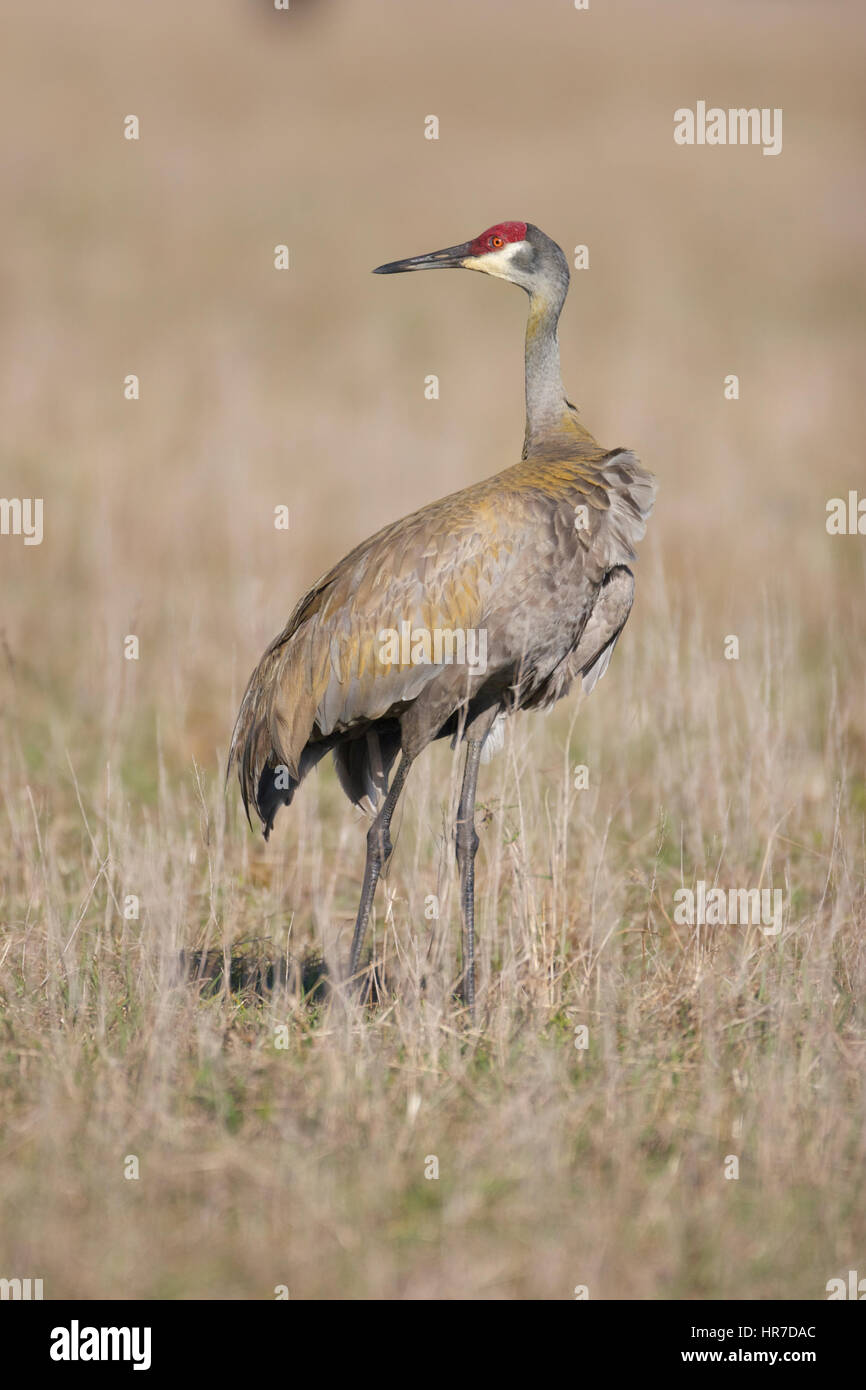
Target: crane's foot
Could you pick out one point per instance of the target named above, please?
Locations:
(462, 995)
(368, 985)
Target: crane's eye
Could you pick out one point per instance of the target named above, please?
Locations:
(496, 242)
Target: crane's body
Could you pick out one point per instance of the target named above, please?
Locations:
(535, 558)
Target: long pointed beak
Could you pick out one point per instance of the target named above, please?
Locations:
(449, 259)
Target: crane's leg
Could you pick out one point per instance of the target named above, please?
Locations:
(378, 854)
(467, 844)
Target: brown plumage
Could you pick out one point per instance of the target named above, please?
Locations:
(535, 558)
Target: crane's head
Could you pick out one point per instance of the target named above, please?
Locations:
(514, 251)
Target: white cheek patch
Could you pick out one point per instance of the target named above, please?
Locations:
(496, 262)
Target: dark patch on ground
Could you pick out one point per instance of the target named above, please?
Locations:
(257, 969)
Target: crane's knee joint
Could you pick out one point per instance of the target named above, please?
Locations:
(379, 846)
(466, 839)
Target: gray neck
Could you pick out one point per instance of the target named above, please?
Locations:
(545, 398)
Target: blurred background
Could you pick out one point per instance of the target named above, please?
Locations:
(305, 388)
(306, 127)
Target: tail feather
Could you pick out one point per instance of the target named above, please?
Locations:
(277, 787)
(270, 745)
(268, 766)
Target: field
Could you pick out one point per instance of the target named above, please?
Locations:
(169, 1137)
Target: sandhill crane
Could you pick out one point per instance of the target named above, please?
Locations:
(534, 561)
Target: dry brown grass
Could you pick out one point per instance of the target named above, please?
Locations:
(305, 1166)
